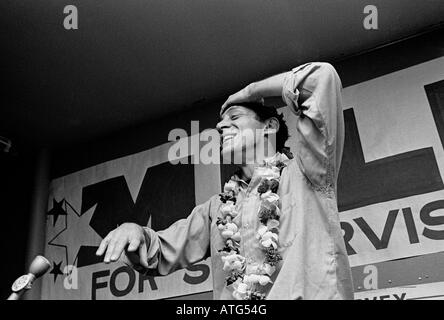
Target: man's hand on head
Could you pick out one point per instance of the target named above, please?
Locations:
(257, 91)
(244, 95)
(129, 237)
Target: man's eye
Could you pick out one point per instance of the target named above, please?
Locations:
(234, 117)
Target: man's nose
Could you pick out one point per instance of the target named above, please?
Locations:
(221, 125)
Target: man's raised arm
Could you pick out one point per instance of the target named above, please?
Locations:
(314, 87)
(313, 93)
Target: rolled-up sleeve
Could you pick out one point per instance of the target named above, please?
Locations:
(183, 243)
(313, 93)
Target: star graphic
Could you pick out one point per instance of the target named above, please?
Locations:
(77, 233)
(56, 211)
(56, 270)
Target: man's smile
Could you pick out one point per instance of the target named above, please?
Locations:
(227, 137)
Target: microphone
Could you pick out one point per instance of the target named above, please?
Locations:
(39, 266)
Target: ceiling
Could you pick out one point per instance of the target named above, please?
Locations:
(133, 61)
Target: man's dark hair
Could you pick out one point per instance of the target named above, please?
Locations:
(265, 112)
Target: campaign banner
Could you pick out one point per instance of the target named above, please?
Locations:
(427, 291)
(390, 192)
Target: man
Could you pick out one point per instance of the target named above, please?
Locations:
(274, 232)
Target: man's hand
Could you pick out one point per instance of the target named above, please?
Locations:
(128, 236)
(244, 95)
(257, 91)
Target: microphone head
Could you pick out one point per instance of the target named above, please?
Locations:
(39, 266)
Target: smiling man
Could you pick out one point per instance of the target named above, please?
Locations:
(274, 231)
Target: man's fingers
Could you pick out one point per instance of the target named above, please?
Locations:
(222, 109)
(143, 254)
(109, 251)
(238, 97)
(103, 245)
(226, 105)
(115, 243)
(134, 245)
(118, 249)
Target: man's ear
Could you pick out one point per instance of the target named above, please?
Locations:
(272, 125)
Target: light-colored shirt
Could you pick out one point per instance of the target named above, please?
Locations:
(315, 263)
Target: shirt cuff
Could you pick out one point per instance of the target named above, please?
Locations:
(153, 248)
(290, 93)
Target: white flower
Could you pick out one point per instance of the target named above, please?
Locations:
(272, 223)
(270, 196)
(252, 268)
(256, 278)
(270, 235)
(229, 257)
(252, 279)
(231, 226)
(268, 269)
(228, 208)
(226, 234)
(230, 186)
(230, 230)
(268, 173)
(263, 280)
(227, 266)
(267, 243)
(261, 231)
(247, 279)
(240, 290)
(233, 262)
(236, 236)
(238, 296)
(236, 265)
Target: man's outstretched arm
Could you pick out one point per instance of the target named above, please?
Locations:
(159, 253)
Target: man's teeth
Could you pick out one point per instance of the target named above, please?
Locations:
(227, 138)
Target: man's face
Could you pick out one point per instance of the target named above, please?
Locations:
(240, 131)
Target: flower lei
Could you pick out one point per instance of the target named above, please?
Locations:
(247, 277)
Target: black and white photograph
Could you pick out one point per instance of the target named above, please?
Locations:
(222, 150)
